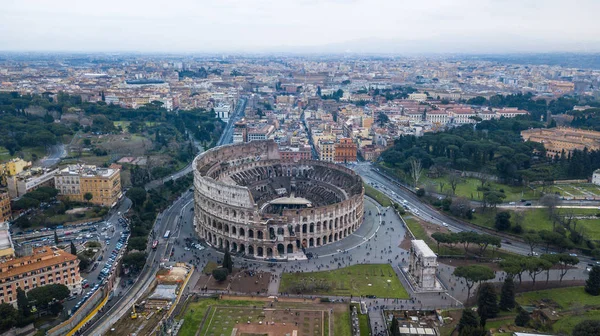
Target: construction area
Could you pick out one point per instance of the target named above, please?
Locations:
(154, 307)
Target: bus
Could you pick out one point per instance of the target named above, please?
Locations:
(154, 244)
(167, 234)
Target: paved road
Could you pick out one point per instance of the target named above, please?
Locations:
(112, 220)
(226, 138)
(55, 154)
(238, 113)
(167, 220)
(418, 208)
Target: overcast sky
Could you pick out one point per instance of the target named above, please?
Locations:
(300, 25)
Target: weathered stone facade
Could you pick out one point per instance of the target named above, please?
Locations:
(235, 186)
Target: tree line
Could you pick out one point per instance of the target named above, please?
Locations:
(146, 206)
(492, 147)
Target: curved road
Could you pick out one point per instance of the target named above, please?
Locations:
(167, 220)
(418, 208)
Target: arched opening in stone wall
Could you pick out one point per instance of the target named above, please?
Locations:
(280, 249)
(290, 248)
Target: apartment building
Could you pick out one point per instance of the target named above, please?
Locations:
(345, 151)
(7, 249)
(327, 150)
(75, 181)
(44, 266)
(14, 167)
(295, 153)
(5, 210)
(29, 180)
(259, 132)
(438, 117)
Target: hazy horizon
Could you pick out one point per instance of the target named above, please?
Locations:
(302, 26)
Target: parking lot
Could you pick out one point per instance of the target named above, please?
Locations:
(113, 234)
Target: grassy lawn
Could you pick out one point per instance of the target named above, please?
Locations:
(341, 323)
(354, 280)
(566, 324)
(195, 311)
(534, 219)
(580, 190)
(566, 298)
(419, 232)
(500, 322)
(210, 266)
(363, 324)
(28, 153)
(592, 227)
(468, 188)
(377, 195)
(417, 229)
(537, 219)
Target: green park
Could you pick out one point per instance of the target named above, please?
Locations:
(377, 280)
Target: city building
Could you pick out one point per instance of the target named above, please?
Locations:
(29, 180)
(7, 249)
(295, 153)
(596, 177)
(5, 210)
(103, 184)
(326, 150)
(557, 140)
(260, 132)
(417, 96)
(509, 112)
(345, 151)
(422, 265)
(223, 111)
(14, 167)
(45, 265)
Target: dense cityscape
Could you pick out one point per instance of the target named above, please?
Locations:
(272, 168)
(139, 188)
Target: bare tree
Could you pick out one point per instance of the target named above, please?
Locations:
(442, 183)
(460, 206)
(415, 170)
(518, 218)
(550, 201)
(454, 180)
(483, 178)
(430, 188)
(568, 218)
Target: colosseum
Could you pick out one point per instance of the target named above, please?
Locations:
(250, 202)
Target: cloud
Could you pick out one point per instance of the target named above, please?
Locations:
(269, 25)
